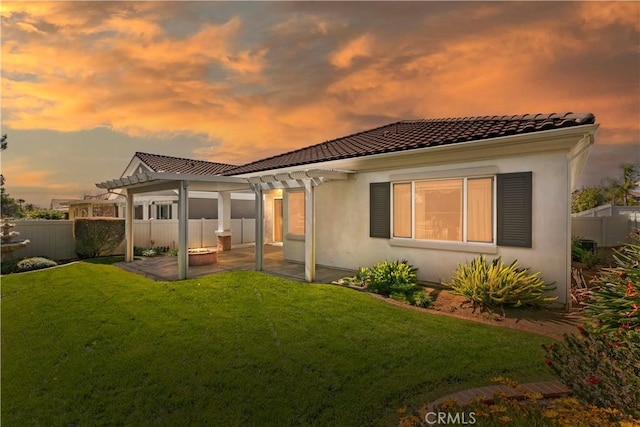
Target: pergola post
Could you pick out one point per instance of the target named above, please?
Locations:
(128, 227)
(259, 228)
(224, 221)
(183, 230)
(309, 232)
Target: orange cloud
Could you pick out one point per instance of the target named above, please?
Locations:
(21, 173)
(119, 67)
(358, 47)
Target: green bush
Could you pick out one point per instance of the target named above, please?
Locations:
(615, 300)
(496, 284)
(602, 364)
(8, 265)
(35, 263)
(149, 252)
(44, 214)
(394, 279)
(603, 368)
(96, 236)
(390, 277)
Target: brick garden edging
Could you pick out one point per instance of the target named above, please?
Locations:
(548, 389)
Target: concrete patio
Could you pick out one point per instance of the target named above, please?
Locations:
(165, 268)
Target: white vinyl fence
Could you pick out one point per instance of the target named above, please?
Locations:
(54, 238)
(607, 231)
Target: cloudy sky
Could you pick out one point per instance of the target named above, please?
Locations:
(86, 84)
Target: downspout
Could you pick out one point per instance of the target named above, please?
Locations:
(573, 171)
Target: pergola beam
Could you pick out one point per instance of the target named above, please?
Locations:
(183, 230)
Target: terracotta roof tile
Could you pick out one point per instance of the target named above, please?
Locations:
(160, 163)
(413, 134)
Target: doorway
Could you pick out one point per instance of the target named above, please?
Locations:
(277, 220)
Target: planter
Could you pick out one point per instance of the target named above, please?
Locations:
(203, 256)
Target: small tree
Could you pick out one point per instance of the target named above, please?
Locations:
(587, 198)
(95, 236)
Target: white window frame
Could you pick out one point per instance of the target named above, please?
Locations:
(159, 207)
(465, 245)
(287, 233)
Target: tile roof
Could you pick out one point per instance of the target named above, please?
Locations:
(412, 134)
(159, 163)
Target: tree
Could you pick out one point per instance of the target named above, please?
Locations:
(587, 198)
(618, 191)
(630, 177)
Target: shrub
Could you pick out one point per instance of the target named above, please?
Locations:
(172, 252)
(394, 279)
(603, 368)
(35, 263)
(496, 284)
(615, 300)
(602, 364)
(8, 265)
(95, 236)
(388, 277)
(149, 253)
(44, 214)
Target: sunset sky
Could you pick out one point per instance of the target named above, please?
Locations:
(87, 84)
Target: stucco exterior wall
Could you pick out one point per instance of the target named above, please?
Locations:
(342, 223)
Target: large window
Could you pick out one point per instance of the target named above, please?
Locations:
(296, 213)
(458, 210)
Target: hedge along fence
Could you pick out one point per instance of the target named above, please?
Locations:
(97, 236)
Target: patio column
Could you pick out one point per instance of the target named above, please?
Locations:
(183, 230)
(224, 221)
(309, 232)
(259, 228)
(128, 228)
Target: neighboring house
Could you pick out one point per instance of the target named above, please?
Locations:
(434, 192)
(163, 204)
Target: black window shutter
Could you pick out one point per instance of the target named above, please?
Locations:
(514, 209)
(380, 209)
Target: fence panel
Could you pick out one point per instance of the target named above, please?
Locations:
(248, 230)
(54, 238)
(50, 239)
(607, 231)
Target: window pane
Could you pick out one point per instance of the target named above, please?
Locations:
(402, 210)
(479, 210)
(439, 210)
(296, 213)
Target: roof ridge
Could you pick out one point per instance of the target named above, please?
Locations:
(314, 145)
(579, 117)
(181, 158)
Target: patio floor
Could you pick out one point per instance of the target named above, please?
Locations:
(166, 267)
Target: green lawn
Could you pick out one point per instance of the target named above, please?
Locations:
(89, 344)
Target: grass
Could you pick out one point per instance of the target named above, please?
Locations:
(91, 344)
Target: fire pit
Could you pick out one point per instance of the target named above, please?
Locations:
(203, 256)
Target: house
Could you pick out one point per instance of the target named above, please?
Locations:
(434, 192)
(163, 204)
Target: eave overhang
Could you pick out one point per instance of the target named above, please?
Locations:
(147, 182)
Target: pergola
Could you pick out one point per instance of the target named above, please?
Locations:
(149, 182)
